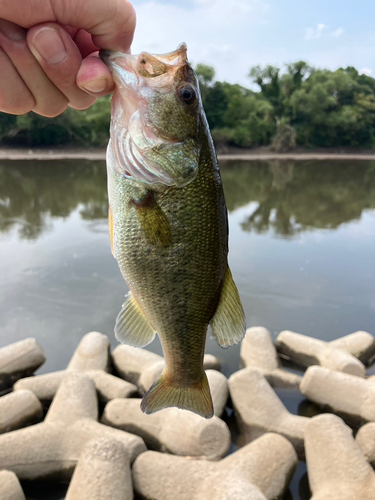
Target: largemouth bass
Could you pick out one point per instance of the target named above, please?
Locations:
(168, 224)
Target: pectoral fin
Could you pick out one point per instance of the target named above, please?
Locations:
(132, 328)
(153, 221)
(228, 323)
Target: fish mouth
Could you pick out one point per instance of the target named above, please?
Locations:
(130, 69)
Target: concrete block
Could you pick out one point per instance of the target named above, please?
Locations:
(351, 397)
(10, 488)
(307, 351)
(102, 473)
(180, 432)
(50, 450)
(359, 344)
(336, 466)
(19, 409)
(210, 362)
(258, 351)
(92, 353)
(219, 390)
(20, 359)
(260, 470)
(43, 386)
(142, 367)
(259, 410)
(366, 440)
(92, 357)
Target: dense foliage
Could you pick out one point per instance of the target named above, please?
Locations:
(295, 105)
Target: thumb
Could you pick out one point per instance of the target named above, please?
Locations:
(110, 22)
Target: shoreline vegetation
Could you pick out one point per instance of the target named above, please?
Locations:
(297, 110)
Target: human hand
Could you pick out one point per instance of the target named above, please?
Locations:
(49, 52)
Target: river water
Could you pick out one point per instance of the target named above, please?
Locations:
(302, 252)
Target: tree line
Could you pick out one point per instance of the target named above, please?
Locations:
(294, 105)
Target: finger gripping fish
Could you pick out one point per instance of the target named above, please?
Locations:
(168, 224)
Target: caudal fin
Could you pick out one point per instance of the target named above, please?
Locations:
(164, 393)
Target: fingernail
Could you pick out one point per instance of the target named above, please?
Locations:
(12, 31)
(50, 46)
(96, 86)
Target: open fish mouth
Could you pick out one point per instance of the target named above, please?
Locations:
(128, 67)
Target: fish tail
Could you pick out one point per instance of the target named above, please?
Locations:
(165, 393)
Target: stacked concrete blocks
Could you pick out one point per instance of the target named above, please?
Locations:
(19, 409)
(259, 410)
(307, 351)
(176, 431)
(351, 397)
(50, 450)
(258, 351)
(336, 466)
(102, 473)
(20, 359)
(92, 357)
(260, 470)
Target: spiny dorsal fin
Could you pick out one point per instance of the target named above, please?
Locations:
(132, 328)
(228, 323)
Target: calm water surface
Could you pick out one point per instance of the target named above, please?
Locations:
(302, 252)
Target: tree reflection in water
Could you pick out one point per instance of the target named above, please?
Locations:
(291, 196)
(296, 196)
(31, 192)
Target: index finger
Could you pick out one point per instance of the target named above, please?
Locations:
(111, 23)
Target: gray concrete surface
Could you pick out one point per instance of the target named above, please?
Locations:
(258, 351)
(307, 351)
(260, 470)
(92, 357)
(176, 431)
(337, 468)
(20, 359)
(350, 397)
(10, 488)
(102, 473)
(258, 410)
(19, 409)
(50, 450)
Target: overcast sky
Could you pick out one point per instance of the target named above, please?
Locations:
(234, 35)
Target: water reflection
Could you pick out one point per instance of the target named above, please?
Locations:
(291, 196)
(31, 192)
(294, 196)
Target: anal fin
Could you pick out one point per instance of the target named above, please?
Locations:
(132, 328)
(228, 323)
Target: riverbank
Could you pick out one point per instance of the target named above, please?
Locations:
(231, 154)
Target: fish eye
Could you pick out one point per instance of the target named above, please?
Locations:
(188, 94)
